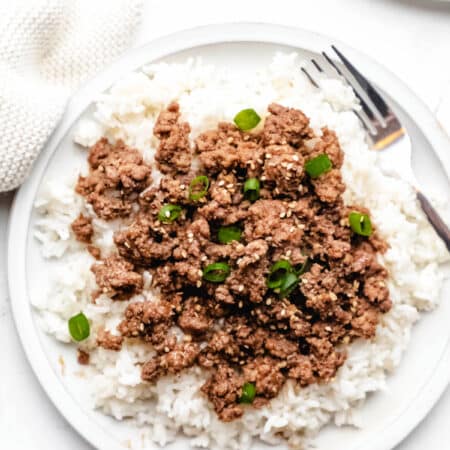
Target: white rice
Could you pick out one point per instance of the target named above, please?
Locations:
(207, 95)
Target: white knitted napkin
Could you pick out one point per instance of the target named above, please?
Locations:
(47, 47)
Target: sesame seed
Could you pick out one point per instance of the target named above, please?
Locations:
(203, 258)
(263, 178)
(167, 213)
(333, 296)
(295, 157)
(241, 304)
(230, 140)
(182, 186)
(290, 166)
(167, 349)
(282, 215)
(289, 213)
(241, 288)
(327, 328)
(268, 302)
(221, 183)
(268, 156)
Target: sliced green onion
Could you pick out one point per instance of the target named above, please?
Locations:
(360, 223)
(251, 189)
(216, 272)
(290, 282)
(246, 119)
(198, 187)
(248, 393)
(169, 213)
(79, 327)
(229, 234)
(301, 269)
(318, 165)
(278, 273)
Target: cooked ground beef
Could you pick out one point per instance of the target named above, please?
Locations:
(239, 329)
(83, 357)
(108, 341)
(116, 277)
(83, 229)
(116, 177)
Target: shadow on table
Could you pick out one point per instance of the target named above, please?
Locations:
(437, 6)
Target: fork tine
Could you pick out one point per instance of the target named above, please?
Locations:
(310, 78)
(333, 64)
(315, 84)
(316, 65)
(365, 106)
(376, 98)
(363, 123)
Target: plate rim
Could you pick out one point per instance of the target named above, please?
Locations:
(133, 59)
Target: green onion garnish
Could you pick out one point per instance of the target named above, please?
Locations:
(198, 187)
(251, 189)
(246, 119)
(248, 393)
(216, 272)
(229, 234)
(290, 282)
(169, 213)
(278, 273)
(360, 223)
(318, 165)
(283, 278)
(79, 327)
(302, 268)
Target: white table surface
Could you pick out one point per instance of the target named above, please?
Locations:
(412, 38)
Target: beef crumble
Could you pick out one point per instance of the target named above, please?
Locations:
(116, 177)
(83, 229)
(236, 327)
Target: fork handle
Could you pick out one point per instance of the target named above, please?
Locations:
(435, 219)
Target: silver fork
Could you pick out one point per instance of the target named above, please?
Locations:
(386, 133)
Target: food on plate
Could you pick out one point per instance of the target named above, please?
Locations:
(232, 263)
(255, 256)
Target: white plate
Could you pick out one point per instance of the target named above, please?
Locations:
(425, 371)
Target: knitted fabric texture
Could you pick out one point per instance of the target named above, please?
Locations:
(47, 47)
